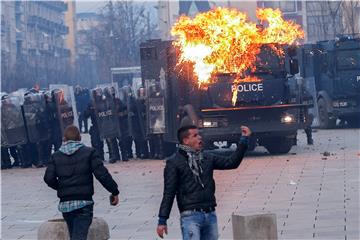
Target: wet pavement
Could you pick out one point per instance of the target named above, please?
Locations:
(313, 190)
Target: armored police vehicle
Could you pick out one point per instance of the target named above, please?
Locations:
(333, 69)
(269, 105)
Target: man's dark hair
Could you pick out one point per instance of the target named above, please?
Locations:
(183, 132)
(72, 133)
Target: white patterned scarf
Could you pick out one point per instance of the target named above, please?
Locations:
(195, 160)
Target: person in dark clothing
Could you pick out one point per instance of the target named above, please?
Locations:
(307, 98)
(95, 139)
(125, 142)
(308, 129)
(114, 153)
(5, 158)
(29, 155)
(138, 110)
(82, 98)
(70, 172)
(14, 154)
(188, 175)
(55, 129)
(308, 132)
(156, 144)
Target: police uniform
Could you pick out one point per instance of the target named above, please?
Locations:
(96, 142)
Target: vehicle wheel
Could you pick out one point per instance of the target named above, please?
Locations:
(278, 145)
(325, 121)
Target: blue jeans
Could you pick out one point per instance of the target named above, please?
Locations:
(199, 225)
(78, 222)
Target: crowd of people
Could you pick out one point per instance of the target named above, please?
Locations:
(131, 115)
(130, 142)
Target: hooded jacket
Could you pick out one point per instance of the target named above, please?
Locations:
(70, 172)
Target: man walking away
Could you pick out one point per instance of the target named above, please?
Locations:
(70, 172)
(188, 175)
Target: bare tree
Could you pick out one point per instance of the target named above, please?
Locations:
(124, 26)
(334, 10)
(324, 19)
(318, 27)
(350, 11)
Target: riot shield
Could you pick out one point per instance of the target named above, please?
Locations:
(65, 105)
(36, 117)
(136, 110)
(103, 99)
(20, 93)
(139, 108)
(13, 130)
(127, 98)
(155, 108)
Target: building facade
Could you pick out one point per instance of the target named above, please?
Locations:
(40, 53)
(320, 20)
(70, 22)
(86, 54)
(8, 40)
(324, 20)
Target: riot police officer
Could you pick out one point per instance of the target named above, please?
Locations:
(82, 99)
(96, 142)
(126, 139)
(5, 158)
(138, 110)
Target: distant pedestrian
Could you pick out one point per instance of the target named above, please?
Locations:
(188, 175)
(70, 172)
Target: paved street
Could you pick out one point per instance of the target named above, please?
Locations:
(314, 192)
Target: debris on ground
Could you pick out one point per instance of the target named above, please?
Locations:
(292, 182)
(326, 154)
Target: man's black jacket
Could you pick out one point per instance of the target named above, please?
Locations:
(180, 181)
(72, 175)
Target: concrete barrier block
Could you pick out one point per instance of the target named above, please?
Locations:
(254, 227)
(56, 229)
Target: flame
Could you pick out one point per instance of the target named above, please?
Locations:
(223, 40)
(196, 54)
